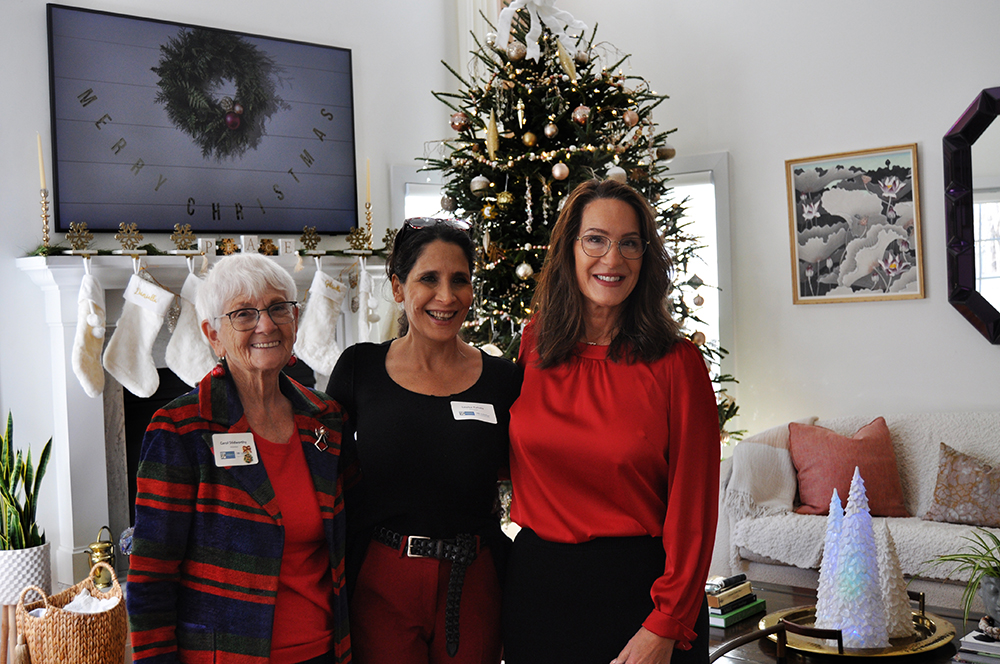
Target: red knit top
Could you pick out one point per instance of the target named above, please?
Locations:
(303, 619)
(610, 449)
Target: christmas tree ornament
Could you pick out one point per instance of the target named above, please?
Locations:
(899, 617)
(316, 341)
(665, 153)
(129, 355)
(492, 136)
(89, 339)
(491, 39)
(617, 173)
(630, 118)
(529, 139)
(827, 600)
(520, 113)
(582, 57)
(188, 353)
(459, 121)
(479, 185)
(698, 300)
(580, 114)
(237, 108)
(560, 171)
(698, 338)
(516, 51)
(448, 204)
(486, 241)
(226, 103)
(232, 120)
(489, 212)
(505, 200)
(524, 271)
(551, 130)
(566, 62)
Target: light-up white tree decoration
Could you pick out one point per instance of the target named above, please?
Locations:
(898, 617)
(827, 610)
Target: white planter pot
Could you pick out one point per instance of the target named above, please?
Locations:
(24, 567)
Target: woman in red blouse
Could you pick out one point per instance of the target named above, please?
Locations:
(614, 452)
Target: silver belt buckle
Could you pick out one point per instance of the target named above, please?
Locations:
(409, 546)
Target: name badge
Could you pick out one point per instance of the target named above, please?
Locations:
(467, 410)
(234, 449)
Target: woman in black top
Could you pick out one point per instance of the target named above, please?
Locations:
(426, 434)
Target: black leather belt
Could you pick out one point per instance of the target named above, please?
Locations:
(461, 551)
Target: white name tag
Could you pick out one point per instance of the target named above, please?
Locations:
(467, 410)
(234, 449)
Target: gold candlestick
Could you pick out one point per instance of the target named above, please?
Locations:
(368, 223)
(45, 216)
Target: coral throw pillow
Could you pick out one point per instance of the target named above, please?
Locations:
(967, 491)
(825, 460)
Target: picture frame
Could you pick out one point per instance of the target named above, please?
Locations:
(854, 226)
(160, 123)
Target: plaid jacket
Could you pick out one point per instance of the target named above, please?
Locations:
(203, 577)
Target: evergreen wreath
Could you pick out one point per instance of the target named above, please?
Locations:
(197, 60)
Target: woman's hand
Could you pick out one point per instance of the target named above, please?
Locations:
(646, 648)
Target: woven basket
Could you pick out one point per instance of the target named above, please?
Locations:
(61, 637)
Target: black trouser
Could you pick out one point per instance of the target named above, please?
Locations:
(581, 603)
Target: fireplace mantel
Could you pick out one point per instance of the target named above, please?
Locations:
(85, 454)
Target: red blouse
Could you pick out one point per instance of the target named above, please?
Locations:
(303, 619)
(596, 447)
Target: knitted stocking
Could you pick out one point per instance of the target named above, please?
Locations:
(188, 353)
(316, 343)
(89, 339)
(129, 355)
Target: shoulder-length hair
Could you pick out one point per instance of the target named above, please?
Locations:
(646, 330)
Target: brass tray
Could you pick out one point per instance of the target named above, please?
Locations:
(931, 632)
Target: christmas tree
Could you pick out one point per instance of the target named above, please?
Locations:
(827, 599)
(543, 109)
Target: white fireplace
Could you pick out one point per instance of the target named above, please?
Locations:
(87, 469)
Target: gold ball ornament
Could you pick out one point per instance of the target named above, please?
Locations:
(459, 121)
(666, 152)
(617, 173)
(630, 118)
(698, 338)
(698, 300)
(580, 114)
(505, 199)
(524, 271)
(529, 139)
(237, 108)
(479, 185)
(551, 130)
(516, 51)
(560, 171)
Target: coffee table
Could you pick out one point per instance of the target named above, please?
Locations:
(779, 597)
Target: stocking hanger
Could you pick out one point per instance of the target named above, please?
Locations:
(136, 264)
(86, 265)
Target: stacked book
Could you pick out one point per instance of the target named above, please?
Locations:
(732, 600)
(979, 648)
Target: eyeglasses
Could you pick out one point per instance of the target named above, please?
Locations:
(596, 246)
(418, 223)
(244, 320)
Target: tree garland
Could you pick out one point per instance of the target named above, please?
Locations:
(198, 59)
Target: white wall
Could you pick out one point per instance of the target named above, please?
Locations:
(782, 79)
(397, 48)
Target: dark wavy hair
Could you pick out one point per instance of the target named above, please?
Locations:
(408, 247)
(646, 330)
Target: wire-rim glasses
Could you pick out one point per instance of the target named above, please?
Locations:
(596, 246)
(244, 320)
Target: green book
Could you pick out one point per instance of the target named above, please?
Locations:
(736, 615)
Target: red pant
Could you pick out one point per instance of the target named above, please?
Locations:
(398, 606)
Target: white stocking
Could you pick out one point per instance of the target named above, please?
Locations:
(129, 355)
(188, 353)
(89, 339)
(316, 342)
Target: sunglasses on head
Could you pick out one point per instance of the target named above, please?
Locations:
(418, 223)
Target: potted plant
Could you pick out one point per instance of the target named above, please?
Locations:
(24, 553)
(980, 558)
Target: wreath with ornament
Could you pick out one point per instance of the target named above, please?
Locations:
(199, 61)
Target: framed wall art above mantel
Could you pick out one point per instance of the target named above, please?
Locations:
(162, 123)
(854, 222)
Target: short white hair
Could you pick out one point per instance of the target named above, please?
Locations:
(235, 276)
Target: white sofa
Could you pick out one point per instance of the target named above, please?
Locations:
(759, 534)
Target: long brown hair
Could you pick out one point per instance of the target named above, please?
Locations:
(646, 328)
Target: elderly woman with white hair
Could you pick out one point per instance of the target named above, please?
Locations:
(239, 528)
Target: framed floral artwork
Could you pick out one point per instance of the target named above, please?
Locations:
(855, 226)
